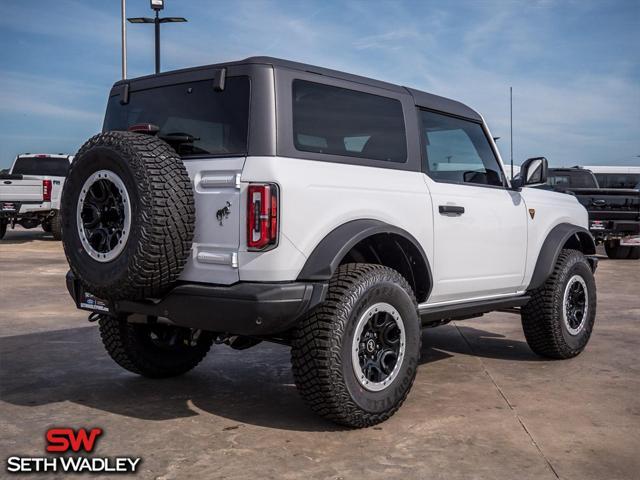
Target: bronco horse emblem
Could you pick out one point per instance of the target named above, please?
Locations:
(223, 213)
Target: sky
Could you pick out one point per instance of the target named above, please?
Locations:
(574, 65)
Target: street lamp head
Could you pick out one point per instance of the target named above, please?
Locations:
(140, 20)
(157, 4)
(172, 19)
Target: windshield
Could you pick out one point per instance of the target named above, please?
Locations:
(618, 180)
(571, 179)
(217, 121)
(44, 166)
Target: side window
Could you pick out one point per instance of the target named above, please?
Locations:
(458, 151)
(339, 121)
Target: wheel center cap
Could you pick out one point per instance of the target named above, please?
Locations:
(371, 346)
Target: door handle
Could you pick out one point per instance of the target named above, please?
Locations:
(452, 210)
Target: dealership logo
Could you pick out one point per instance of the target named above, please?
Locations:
(65, 439)
(72, 443)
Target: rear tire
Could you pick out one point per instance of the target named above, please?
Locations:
(559, 318)
(128, 216)
(355, 356)
(3, 228)
(615, 251)
(634, 253)
(56, 226)
(46, 226)
(153, 350)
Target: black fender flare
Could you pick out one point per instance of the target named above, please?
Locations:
(327, 255)
(552, 246)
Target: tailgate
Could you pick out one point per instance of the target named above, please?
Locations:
(610, 203)
(214, 255)
(24, 190)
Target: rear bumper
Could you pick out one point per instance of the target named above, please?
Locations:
(240, 309)
(617, 228)
(10, 209)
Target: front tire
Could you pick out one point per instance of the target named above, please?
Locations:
(616, 251)
(634, 253)
(153, 350)
(559, 318)
(355, 356)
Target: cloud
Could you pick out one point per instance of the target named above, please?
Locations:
(575, 75)
(37, 96)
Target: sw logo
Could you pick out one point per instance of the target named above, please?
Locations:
(65, 439)
(68, 440)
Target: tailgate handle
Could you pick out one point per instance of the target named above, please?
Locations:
(452, 210)
(220, 180)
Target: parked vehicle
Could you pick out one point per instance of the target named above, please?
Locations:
(614, 213)
(30, 193)
(271, 200)
(617, 177)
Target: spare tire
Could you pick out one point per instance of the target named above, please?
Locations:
(128, 216)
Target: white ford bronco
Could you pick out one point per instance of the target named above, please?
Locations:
(267, 200)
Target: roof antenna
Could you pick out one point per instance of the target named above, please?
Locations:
(511, 126)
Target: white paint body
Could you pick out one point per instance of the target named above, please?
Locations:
(488, 252)
(29, 189)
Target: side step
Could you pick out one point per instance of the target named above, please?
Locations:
(461, 311)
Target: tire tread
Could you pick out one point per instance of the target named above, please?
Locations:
(316, 355)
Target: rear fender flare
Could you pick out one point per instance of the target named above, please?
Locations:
(327, 255)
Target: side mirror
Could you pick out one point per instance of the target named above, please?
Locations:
(532, 172)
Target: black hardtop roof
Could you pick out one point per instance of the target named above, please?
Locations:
(422, 99)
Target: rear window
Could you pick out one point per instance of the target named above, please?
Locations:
(561, 180)
(339, 121)
(44, 166)
(217, 121)
(618, 180)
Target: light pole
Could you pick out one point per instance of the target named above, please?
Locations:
(123, 26)
(157, 5)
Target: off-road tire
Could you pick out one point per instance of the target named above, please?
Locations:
(162, 216)
(131, 346)
(321, 352)
(543, 319)
(634, 253)
(3, 228)
(56, 226)
(615, 251)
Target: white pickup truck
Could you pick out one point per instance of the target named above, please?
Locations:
(30, 193)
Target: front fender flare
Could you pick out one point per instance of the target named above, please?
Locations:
(553, 245)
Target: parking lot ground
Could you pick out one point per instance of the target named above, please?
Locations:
(482, 406)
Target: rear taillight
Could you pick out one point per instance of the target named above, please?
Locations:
(262, 216)
(46, 190)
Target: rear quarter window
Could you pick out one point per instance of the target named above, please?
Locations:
(339, 121)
